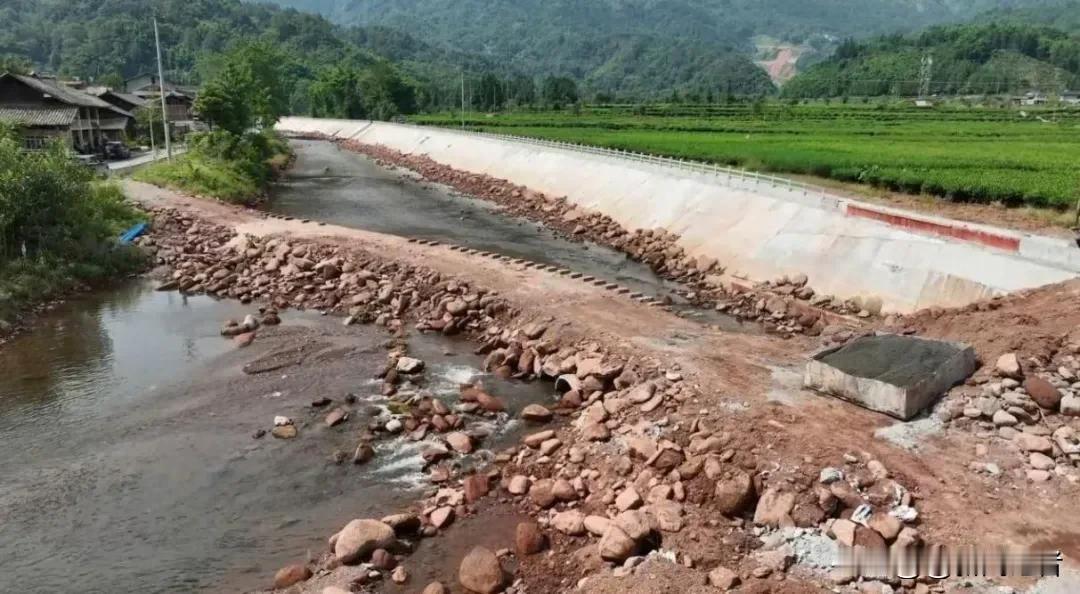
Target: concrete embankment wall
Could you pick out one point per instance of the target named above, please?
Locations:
(757, 230)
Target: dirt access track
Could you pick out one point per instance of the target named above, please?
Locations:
(747, 386)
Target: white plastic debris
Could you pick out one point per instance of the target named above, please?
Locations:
(830, 475)
(862, 514)
(904, 513)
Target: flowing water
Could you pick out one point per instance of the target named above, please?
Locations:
(337, 186)
(129, 463)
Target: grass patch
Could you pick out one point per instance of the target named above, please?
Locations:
(223, 166)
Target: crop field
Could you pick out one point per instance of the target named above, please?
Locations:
(1010, 156)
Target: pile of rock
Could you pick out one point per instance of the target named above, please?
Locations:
(1034, 406)
(865, 506)
(212, 259)
(641, 482)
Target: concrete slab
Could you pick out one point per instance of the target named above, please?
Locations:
(896, 375)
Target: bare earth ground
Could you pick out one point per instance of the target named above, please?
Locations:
(754, 381)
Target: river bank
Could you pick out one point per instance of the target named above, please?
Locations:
(734, 387)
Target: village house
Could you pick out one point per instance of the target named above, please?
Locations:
(125, 101)
(44, 110)
(179, 101)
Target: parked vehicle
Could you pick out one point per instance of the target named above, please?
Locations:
(116, 150)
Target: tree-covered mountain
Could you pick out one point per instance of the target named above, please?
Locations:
(966, 59)
(641, 47)
(1059, 14)
(108, 40)
(510, 22)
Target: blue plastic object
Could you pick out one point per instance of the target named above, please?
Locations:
(131, 234)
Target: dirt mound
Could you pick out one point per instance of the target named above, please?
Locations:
(1033, 324)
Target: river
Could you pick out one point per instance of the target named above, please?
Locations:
(129, 464)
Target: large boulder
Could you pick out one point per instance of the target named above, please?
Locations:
(616, 545)
(290, 575)
(528, 539)
(536, 413)
(723, 578)
(1043, 392)
(774, 508)
(359, 538)
(480, 571)
(1008, 365)
(734, 493)
(570, 522)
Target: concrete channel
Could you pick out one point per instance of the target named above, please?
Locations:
(332, 185)
(758, 226)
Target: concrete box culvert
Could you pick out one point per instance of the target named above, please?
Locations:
(888, 373)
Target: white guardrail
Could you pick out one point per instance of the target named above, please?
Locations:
(670, 162)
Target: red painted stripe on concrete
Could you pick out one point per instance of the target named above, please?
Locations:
(994, 240)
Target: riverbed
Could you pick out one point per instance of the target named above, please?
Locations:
(130, 465)
(332, 185)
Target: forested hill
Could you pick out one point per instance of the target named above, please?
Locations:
(110, 39)
(510, 24)
(1060, 14)
(632, 48)
(967, 59)
(642, 48)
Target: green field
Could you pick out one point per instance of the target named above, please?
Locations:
(964, 154)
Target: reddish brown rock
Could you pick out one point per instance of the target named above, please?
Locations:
(774, 508)
(480, 572)
(1043, 392)
(475, 486)
(528, 539)
(291, 575)
(489, 403)
(734, 493)
(542, 493)
(536, 413)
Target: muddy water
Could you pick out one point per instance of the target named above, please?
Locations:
(129, 463)
(341, 187)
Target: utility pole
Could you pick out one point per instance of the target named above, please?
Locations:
(161, 88)
(153, 144)
(462, 98)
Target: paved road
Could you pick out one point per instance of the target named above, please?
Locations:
(127, 164)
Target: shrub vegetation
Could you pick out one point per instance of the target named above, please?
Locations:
(58, 226)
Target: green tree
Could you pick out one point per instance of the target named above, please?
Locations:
(149, 124)
(335, 93)
(14, 64)
(559, 90)
(490, 94)
(386, 92)
(113, 80)
(522, 90)
(250, 88)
